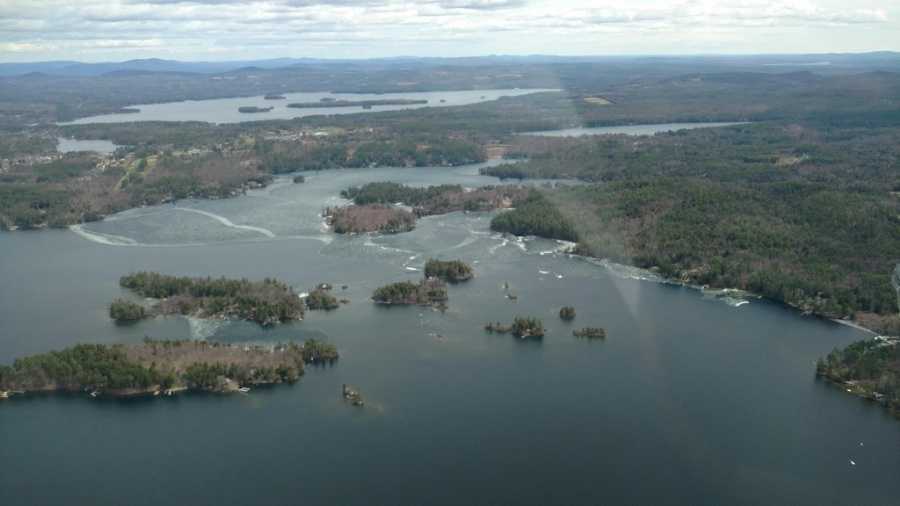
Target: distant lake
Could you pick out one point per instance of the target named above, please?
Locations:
(225, 110)
(69, 145)
(627, 129)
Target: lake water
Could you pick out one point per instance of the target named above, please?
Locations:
(225, 110)
(626, 129)
(65, 145)
(690, 400)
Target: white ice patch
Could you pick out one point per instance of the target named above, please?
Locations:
(202, 329)
(101, 238)
(228, 223)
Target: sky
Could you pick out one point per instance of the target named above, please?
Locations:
(112, 30)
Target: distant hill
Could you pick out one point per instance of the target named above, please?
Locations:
(881, 60)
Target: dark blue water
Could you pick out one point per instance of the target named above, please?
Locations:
(689, 400)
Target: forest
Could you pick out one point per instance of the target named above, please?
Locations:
(535, 215)
(266, 302)
(869, 368)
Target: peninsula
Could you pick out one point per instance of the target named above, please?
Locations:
(868, 368)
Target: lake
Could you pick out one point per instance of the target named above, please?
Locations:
(627, 129)
(64, 145)
(691, 399)
(225, 110)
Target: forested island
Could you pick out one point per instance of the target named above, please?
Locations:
(521, 327)
(427, 292)
(356, 103)
(161, 368)
(452, 271)
(369, 218)
(265, 302)
(321, 298)
(250, 109)
(869, 368)
(590, 333)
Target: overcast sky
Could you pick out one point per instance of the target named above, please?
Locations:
(103, 30)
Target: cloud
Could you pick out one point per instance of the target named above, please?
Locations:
(442, 27)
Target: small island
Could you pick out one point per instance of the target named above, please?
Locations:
(155, 368)
(299, 179)
(266, 302)
(365, 104)
(274, 96)
(251, 109)
(322, 299)
(369, 218)
(590, 333)
(452, 271)
(522, 327)
(567, 313)
(430, 291)
(868, 368)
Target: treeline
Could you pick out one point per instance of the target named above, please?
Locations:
(265, 302)
(84, 366)
(535, 216)
(870, 368)
(350, 152)
(439, 199)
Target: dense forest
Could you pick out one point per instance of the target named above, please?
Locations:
(266, 302)
(803, 214)
(535, 215)
(869, 368)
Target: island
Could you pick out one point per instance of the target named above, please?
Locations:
(155, 368)
(267, 302)
(452, 271)
(429, 291)
(274, 96)
(869, 368)
(369, 218)
(567, 313)
(522, 327)
(366, 104)
(321, 298)
(251, 109)
(351, 394)
(590, 333)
